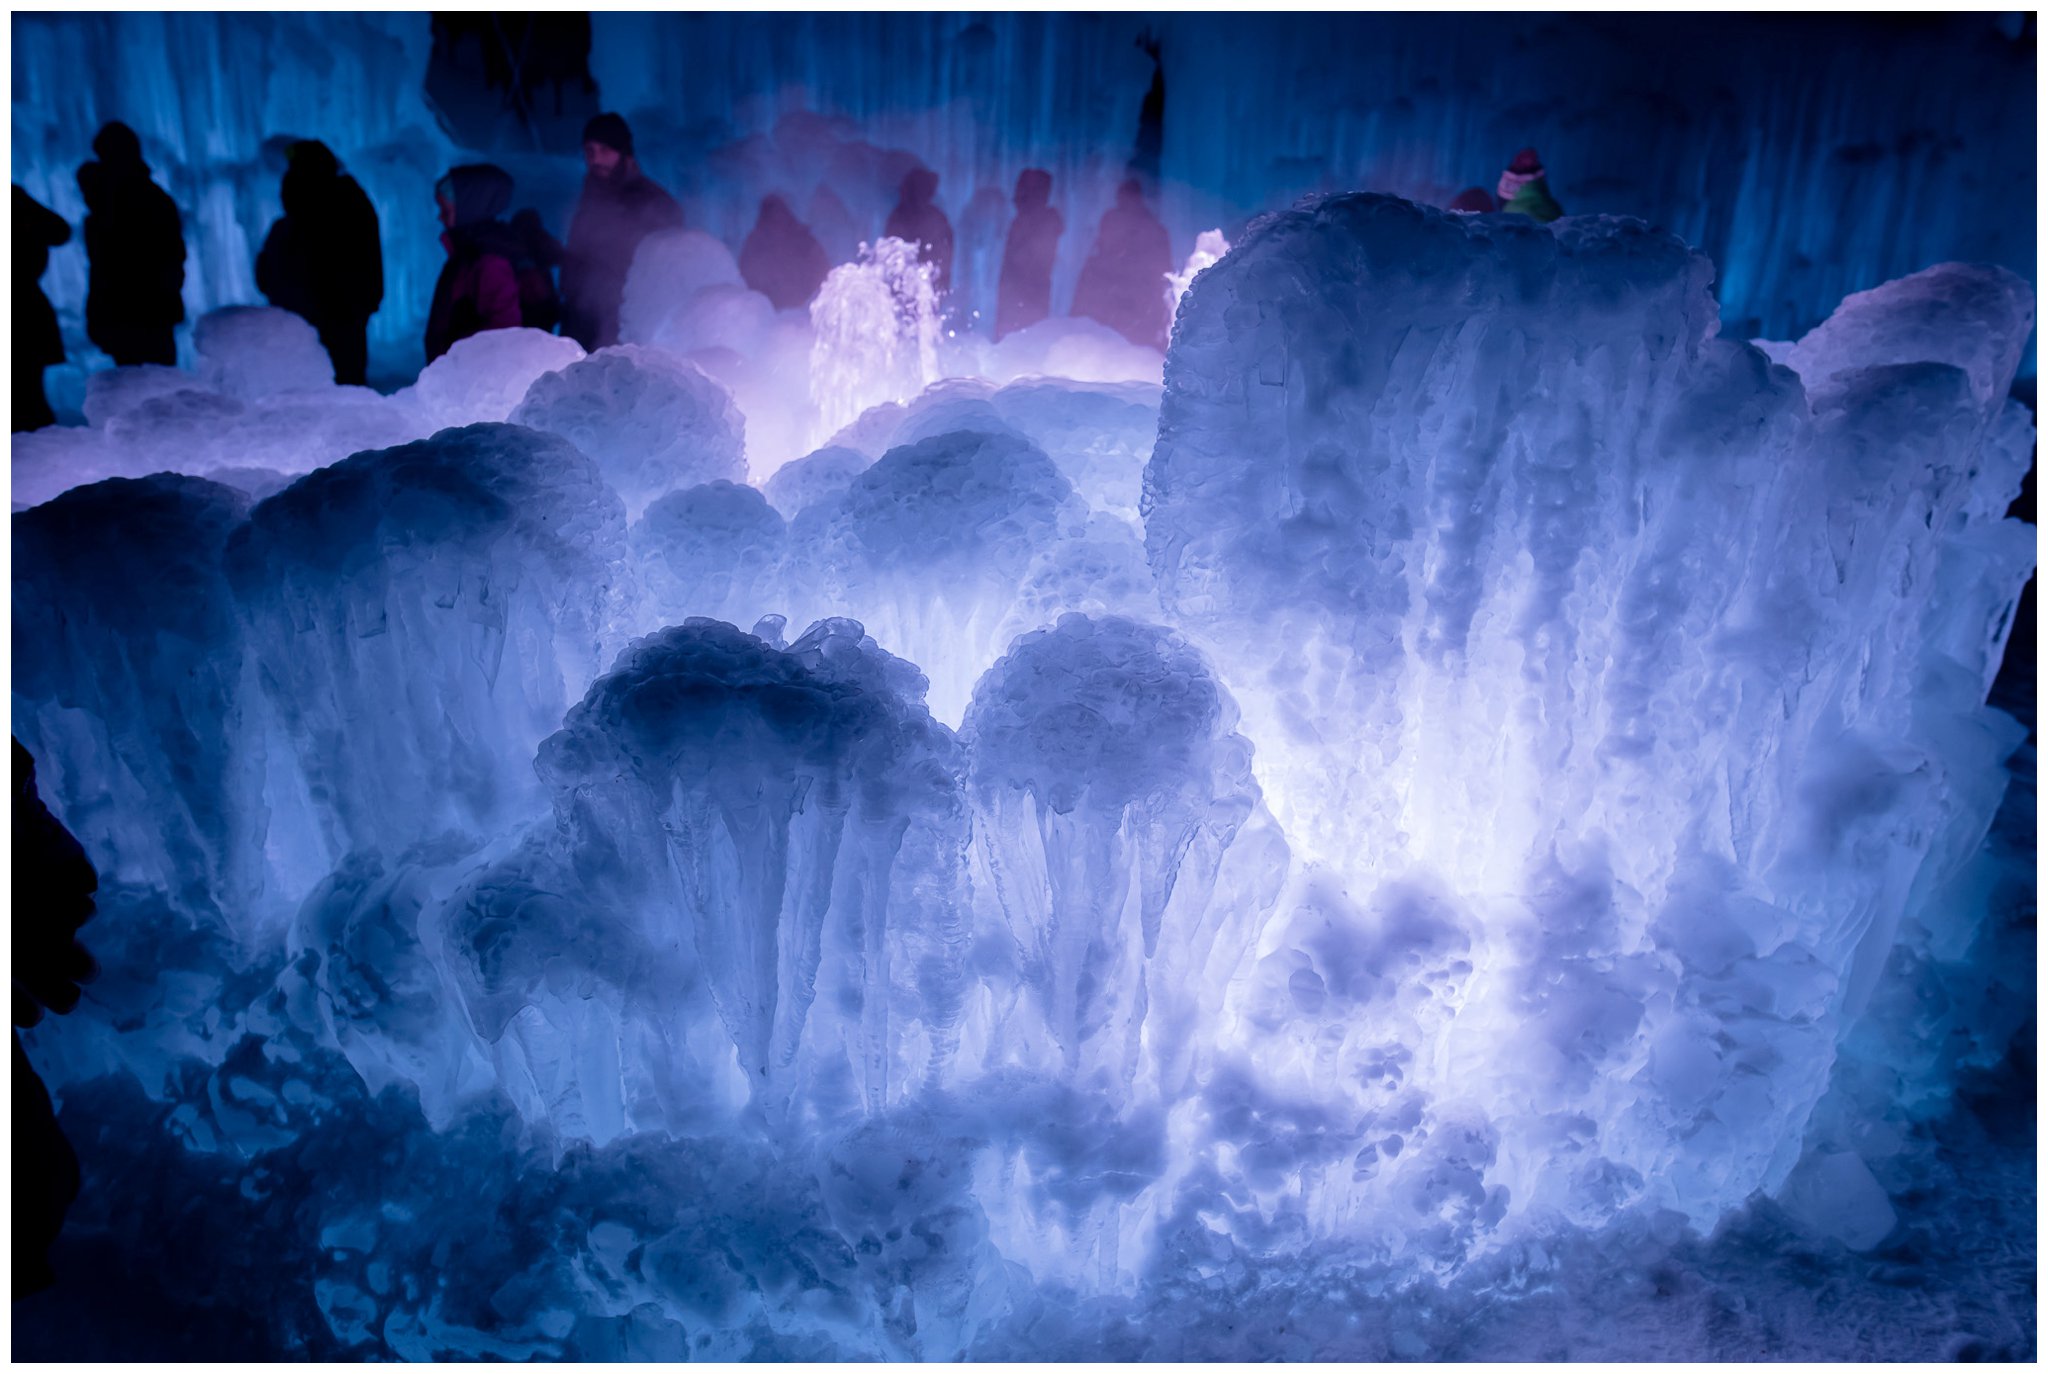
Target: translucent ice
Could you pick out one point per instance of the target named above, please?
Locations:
(929, 546)
(1493, 540)
(714, 550)
(768, 836)
(483, 378)
(651, 424)
(250, 352)
(422, 616)
(129, 687)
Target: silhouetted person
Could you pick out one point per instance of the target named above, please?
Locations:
(1473, 200)
(135, 247)
(1123, 282)
(1524, 190)
(38, 343)
(619, 207)
(917, 220)
(1024, 290)
(781, 258)
(479, 286)
(539, 254)
(1151, 140)
(53, 886)
(324, 259)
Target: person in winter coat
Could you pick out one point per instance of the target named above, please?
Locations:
(1122, 283)
(38, 343)
(135, 250)
(540, 253)
(479, 286)
(1524, 191)
(620, 206)
(916, 219)
(782, 258)
(324, 260)
(1024, 289)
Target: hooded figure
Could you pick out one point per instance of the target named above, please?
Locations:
(135, 248)
(1024, 290)
(479, 286)
(1524, 191)
(781, 258)
(1122, 283)
(917, 220)
(38, 343)
(619, 207)
(324, 259)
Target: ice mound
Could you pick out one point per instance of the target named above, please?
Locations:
(1107, 782)
(1974, 318)
(929, 546)
(1084, 350)
(247, 426)
(483, 378)
(816, 477)
(422, 616)
(652, 424)
(1097, 567)
(714, 551)
(669, 271)
(119, 390)
(45, 463)
(1098, 433)
(250, 352)
(747, 894)
(1495, 543)
(129, 687)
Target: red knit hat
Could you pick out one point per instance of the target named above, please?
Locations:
(1526, 164)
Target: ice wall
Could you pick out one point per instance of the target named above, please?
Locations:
(215, 97)
(1807, 156)
(1627, 730)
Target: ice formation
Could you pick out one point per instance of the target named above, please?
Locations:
(1476, 779)
(652, 425)
(1808, 156)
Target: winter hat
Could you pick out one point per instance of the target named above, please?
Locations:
(1474, 200)
(116, 142)
(610, 130)
(1526, 167)
(312, 157)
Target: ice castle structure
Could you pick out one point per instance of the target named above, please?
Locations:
(1438, 782)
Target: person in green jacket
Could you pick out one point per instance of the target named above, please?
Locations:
(1523, 190)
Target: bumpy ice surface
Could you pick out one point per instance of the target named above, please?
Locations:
(1457, 828)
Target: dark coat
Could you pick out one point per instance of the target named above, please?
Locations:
(782, 259)
(135, 245)
(1123, 283)
(612, 217)
(917, 219)
(37, 229)
(324, 258)
(479, 287)
(1024, 289)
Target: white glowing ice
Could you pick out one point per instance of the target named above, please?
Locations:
(1539, 597)
(1470, 758)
